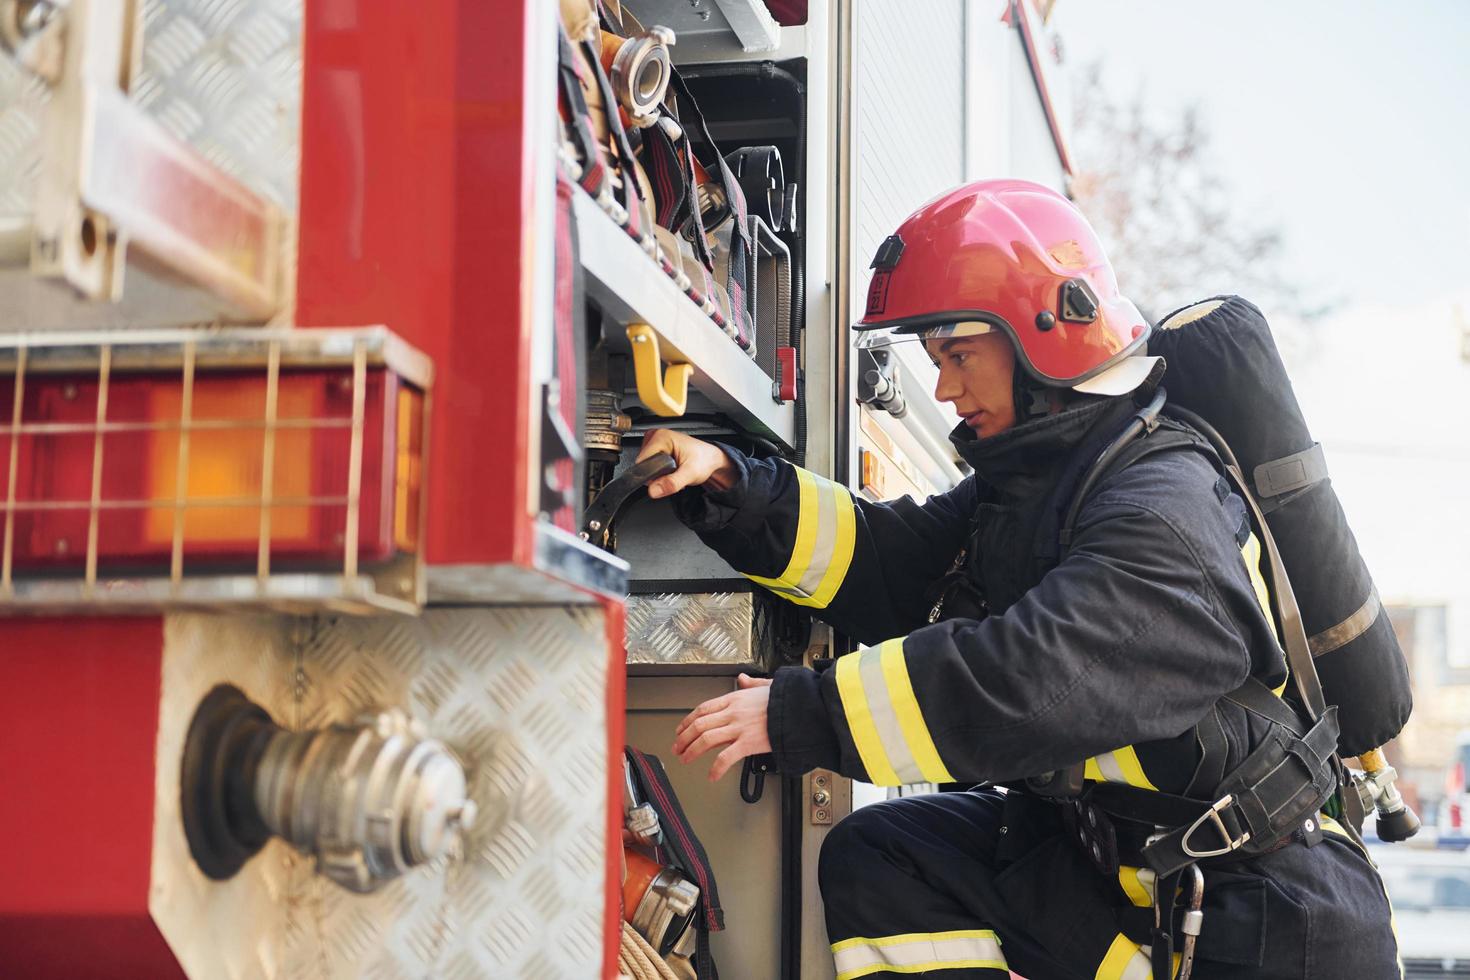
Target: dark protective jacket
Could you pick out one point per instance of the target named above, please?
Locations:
(1112, 652)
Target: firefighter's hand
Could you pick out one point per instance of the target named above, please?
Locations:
(736, 721)
(699, 462)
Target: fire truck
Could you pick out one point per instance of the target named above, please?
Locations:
(329, 332)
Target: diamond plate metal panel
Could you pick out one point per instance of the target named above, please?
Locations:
(23, 100)
(675, 629)
(224, 76)
(519, 693)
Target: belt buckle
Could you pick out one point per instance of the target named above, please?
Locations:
(1213, 814)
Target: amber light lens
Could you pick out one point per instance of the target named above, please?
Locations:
(224, 465)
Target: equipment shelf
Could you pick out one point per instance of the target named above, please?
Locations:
(722, 30)
(630, 288)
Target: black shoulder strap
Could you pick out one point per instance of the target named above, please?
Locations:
(1283, 599)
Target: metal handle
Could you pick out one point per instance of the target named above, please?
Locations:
(597, 521)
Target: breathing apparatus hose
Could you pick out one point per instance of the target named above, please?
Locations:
(1142, 421)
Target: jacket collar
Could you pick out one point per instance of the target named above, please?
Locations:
(1027, 458)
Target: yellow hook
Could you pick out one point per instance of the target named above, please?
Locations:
(665, 394)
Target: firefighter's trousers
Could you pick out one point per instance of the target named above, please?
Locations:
(975, 884)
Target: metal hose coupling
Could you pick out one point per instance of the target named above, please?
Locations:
(639, 68)
(368, 800)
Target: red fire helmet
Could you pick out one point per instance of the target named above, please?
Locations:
(1018, 257)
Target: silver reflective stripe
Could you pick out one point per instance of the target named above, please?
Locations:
(1107, 764)
(826, 537)
(1349, 629)
(1140, 967)
(968, 949)
(885, 719)
(823, 547)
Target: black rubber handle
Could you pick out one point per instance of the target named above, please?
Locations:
(602, 511)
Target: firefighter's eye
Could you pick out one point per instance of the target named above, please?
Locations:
(958, 360)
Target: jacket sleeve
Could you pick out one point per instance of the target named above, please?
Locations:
(863, 567)
(1126, 640)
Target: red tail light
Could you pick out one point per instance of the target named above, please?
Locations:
(209, 466)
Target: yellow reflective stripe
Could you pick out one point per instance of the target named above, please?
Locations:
(1127, 960)
(1332, 826)
(842, 551)
(826, 538)
(1138, 885)
(806, 535)
(910, 717)
(925, 967)
(919, 952)
(860, 722)
(1117, 766)
(1251, 552)
(1133, 774)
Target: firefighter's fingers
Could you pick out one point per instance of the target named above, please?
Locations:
(707, 708)
(685, 451)
(746, 681)
(712, 739)
(697, 728)
(658, 441)
(698, 460)
(732, 754)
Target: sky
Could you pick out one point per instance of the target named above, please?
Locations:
(1347, 126)
(1345, 123)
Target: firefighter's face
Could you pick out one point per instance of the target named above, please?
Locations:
(975, 376)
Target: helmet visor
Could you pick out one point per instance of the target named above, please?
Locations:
(872, 339)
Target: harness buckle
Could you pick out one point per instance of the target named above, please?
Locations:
(1213, 814)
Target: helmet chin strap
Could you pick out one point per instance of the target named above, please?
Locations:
(1030, 398)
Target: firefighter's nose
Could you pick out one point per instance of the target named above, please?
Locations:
(947, 388)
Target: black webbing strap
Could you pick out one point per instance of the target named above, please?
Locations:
(594, 171)
(1283, 599)
(1161, 936)
(1261, 802)
(632, 193)
(670, 185)
(685, 850)
(742, 248)
(1214, 752)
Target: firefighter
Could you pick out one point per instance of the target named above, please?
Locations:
(1129, 657)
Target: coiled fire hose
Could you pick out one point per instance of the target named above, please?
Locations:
(638, 960)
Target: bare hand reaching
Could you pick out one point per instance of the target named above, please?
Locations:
(734, 721)
(699, 462)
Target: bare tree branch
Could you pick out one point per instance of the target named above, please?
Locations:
(1172, 227)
